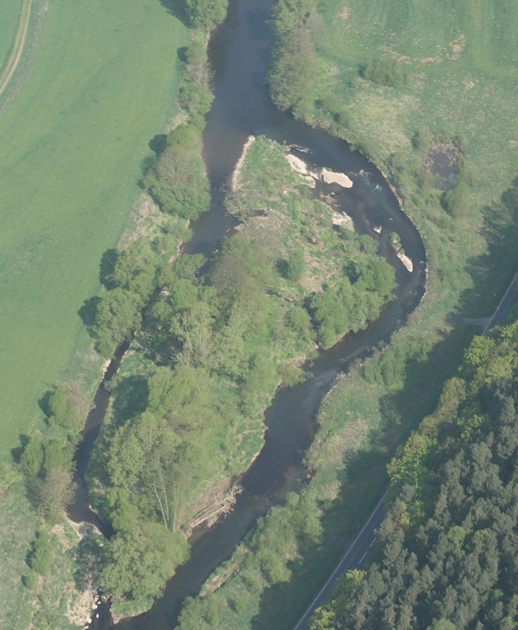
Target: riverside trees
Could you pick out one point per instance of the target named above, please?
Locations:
(294, 62)
(215, 340)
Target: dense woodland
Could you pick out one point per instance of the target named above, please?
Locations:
(448, 548)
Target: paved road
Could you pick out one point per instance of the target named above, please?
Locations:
(354, 558)
(510, 297)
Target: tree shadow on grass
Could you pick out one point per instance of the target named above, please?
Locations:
(158, 144)
(492, 271)
(17, 451)
(88, 311)
(176, 8)
(107, 267)
(44, 401)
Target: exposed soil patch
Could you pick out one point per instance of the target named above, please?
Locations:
(444, 163)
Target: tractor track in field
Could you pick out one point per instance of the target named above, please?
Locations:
(19, 45)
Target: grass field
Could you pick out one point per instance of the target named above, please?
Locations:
(9, 19)
(71, 150)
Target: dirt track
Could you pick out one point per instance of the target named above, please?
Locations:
(19, 45)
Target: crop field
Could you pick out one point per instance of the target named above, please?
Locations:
(9, 20)
(72, 149)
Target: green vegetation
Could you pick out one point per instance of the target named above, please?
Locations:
(462, 64)
(447, 555)
(206, 14)
(45, 575)
(177, 181)
(72, 145)
(386, 71)
(209, 352)
(294, 61)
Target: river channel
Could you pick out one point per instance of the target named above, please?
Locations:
(239, 52)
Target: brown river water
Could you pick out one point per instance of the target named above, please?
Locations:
(239, 51)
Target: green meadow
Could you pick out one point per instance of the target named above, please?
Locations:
(9, 19)
(72, 148)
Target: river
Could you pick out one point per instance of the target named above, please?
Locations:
(239, 52)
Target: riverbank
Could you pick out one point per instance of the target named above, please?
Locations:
(288, 261)
(372, 410)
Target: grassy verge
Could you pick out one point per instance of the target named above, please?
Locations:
(73, 146)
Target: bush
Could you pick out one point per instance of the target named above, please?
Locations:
(386, 71)
(31, 580)
(456, 201)
(296, 266)
(42, 557)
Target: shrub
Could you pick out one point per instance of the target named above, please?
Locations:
(296, 266)
(456, 201)
(42, 557)
(386, 71)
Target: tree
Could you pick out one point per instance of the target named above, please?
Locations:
(379, 276)
(32, 458)
(117, 317)
(141, 560)
(60, 411)
(291, 14)
(57, 493)
(136, 270)
(58, 455)
(294, 69)
(206, 14)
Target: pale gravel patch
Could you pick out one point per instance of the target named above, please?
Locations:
(237, 170)
(406, 261)
(330, 177)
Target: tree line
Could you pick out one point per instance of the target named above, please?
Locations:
(447, 549)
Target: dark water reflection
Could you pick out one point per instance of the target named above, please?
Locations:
(239, 52)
